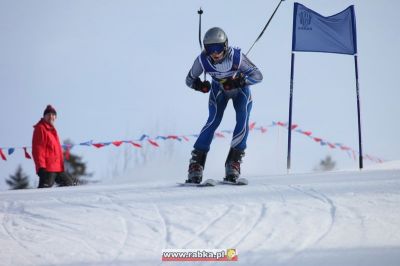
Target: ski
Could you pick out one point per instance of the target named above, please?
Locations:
(239, 182)
(212, 183)
(206, 183)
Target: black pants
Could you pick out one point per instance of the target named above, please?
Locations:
(47, 179)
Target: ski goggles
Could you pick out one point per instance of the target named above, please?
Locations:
(214, 48)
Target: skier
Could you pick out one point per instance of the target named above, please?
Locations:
(232, 73)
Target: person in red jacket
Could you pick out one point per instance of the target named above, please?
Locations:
(47, 152)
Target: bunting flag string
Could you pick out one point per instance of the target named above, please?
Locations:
(154, 141)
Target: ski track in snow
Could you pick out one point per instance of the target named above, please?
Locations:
(8, 223)
(312, 193)
(123, 217)
(324, 199)
(283, 220)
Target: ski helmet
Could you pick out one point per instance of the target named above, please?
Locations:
(215, 41)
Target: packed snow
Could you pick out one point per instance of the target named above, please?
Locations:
(335, 218)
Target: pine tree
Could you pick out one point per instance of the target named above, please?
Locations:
(75, 167)
(326, 165)
(19, 180)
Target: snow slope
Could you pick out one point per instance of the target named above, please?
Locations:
(338, 218)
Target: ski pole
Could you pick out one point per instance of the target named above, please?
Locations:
(200, 12)
(262, 32)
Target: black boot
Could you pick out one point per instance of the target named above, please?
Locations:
(232, 165)
(46, 179)
(196, 166)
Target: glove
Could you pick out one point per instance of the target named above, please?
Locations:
(233, 83)
(203, 86)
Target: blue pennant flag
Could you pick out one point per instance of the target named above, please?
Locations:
(315, 33)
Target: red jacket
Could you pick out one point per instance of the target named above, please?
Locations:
(46, 148)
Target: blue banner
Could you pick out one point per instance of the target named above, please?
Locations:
(315, 33)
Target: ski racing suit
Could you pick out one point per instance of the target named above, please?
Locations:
(234, 63)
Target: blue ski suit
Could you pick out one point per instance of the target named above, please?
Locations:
(234, 63)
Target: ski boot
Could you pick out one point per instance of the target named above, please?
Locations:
(232, 165)
(196, 167)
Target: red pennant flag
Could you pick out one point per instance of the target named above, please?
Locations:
(185, 138)
(152, 142)
(27, 156)
(98, 145)
(2, 155)
(294, 126)
(252, 125)
(308, 133)
(117, 143)
(281, 124)
(263, 130)
(331, 145)
(136, 144)
(172, 137)
(317, 139)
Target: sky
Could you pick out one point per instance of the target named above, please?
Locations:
(116, 70)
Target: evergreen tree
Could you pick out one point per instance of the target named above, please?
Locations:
(75, 167)
(19, 180)
(326, 165)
